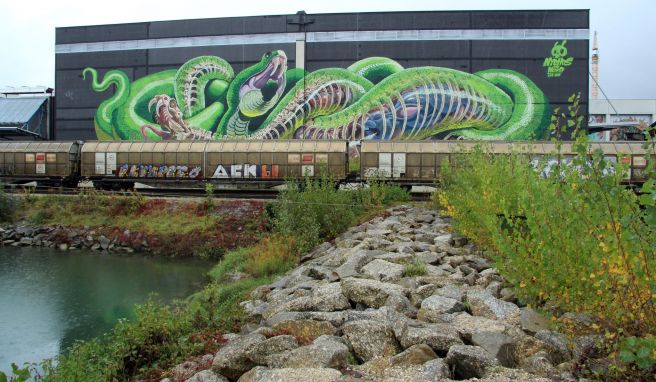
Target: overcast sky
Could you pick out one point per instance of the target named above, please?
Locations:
(626, 29)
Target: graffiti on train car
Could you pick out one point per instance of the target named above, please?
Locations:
(246, 171)
(375, 98)
(126, 170)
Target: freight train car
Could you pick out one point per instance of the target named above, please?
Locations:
(46, 163)
(228, 163)
(418, 163)
(264, 163)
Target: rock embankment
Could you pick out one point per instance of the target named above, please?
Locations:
(66, 238)
(395, 299)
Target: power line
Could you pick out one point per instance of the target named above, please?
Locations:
(603, 92)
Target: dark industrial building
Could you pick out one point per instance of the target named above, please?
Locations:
(549, 47)
(26, 114)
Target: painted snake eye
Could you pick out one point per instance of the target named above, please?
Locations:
(268, 55)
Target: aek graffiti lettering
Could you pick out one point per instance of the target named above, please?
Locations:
(153, 171)
(557, 63)
(246, 171)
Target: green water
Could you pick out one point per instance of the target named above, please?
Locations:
(49, 299)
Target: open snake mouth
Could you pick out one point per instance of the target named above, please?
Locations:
(167, 113)
(271, 80)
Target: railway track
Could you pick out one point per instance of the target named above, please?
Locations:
(257, 194)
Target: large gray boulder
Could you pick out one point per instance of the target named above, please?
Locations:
(334, 318)
(557, 347)
(325, 351)
(383, 270)
(232, 360)
(255, 309)
(433, 307)
(499, 345)
(451, 291)
(436, 370)
(322, 273)
(419, 294)
(414, 355)
(395, 257)
(539, 364)
(380, 369)
(401, 304)
(329, 298)
(504, 374)
(466, 325)
(469, 361)
(483, 304)
(440, 337)
(184, 370)
(305, 330)
(279, 344)
(207, 376)
(263, 374)
(356, 261)
(371, 293)
(300, 304)
(532, 321)
(370, 339)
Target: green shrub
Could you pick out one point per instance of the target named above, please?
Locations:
(313, 210)
(378, 193)
(641, 351)
(128, 204)
(575, 237)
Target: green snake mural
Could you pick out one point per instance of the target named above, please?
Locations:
(375, 98)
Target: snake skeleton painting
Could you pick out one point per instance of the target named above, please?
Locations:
(375, 98)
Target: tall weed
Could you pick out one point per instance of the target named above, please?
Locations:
(8, 206)
(313, 210)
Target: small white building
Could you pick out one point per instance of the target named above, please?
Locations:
(620, 119)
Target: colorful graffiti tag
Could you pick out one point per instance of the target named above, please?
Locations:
(154, 171)
(375, 98)
(126, 170)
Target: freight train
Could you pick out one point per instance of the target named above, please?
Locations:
(263, 163)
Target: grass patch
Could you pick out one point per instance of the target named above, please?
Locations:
(176, 228)
(416, 268)
(8, 206)
(132, 212)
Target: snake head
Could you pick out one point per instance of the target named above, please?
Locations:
(262, 89)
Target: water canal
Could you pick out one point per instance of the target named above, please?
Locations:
(49, 299)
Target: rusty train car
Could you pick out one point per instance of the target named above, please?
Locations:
(190, 163)
(419, 162)
(262, 163)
